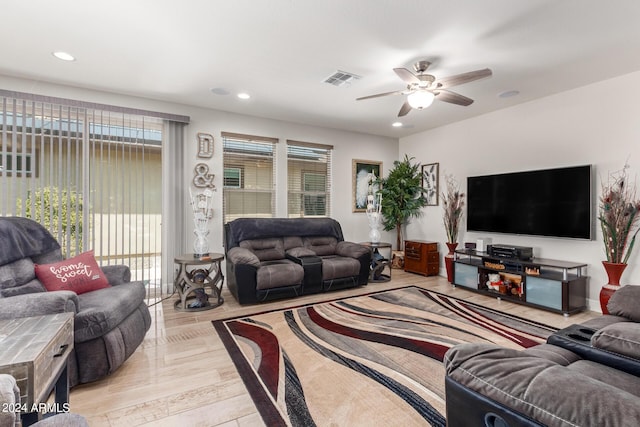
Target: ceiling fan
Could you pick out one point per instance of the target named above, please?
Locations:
(423, 88)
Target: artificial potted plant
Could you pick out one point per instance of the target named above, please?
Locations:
(452, 204)
(620, 221)
(402, 196)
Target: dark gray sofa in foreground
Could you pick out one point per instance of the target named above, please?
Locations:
(109, 323)
(269, 258)
(585, 375)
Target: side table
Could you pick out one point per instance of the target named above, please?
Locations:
(377, 267)
(196, 276)
(421, 257)
(34, 350)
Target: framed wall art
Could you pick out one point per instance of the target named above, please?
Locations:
(430, 182)
(361, 171)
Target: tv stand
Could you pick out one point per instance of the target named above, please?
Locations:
(549, 284)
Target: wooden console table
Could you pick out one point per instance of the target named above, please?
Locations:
(34, 350)
(195, 276)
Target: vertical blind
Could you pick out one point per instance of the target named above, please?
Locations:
(124, 165)
(91, 176)
(41, 167)
(308, 179)
(249, 165)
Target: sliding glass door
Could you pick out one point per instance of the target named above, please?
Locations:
(92, 177)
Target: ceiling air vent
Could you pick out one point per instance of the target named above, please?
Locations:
(341, 78)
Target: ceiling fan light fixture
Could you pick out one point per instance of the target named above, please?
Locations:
(420, 99)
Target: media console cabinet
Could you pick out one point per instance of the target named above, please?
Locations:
(549, 284)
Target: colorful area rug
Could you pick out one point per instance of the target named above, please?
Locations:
(372, 360)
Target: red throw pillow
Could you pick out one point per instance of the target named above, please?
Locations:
(79, 274)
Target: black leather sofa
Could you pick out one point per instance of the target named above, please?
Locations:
(269, 258)
(585, 375)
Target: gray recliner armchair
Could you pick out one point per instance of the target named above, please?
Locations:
(109, 323)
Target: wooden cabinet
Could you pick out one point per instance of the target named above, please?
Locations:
(421, 257)
(553, 285)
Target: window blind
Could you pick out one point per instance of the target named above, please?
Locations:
(308, 179)
(249, 165)
(92, 177)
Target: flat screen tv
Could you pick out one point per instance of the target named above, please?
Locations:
(550, 202)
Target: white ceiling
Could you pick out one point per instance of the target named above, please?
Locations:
(280, 51)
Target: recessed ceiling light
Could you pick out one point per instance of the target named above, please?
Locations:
(64, 56)
(508, 93)
(220, 91)
(397, 124)
(244, 95)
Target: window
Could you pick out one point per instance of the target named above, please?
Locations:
(249, 176)
(19, 163)
(232, 177)
(309, 179)
(314, 200)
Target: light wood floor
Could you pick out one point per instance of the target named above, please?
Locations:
(182, 375)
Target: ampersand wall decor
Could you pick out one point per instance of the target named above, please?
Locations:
(203, 178)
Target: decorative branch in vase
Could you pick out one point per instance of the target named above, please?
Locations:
(202, 208)
(453, 204)
(374, 209)
(619, 216)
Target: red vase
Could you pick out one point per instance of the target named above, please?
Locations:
(448, 260)
(614, 272)
(452, 247)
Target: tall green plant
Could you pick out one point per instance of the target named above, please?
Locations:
(60, 212)
(403, 196)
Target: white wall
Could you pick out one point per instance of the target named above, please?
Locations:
(597, 124)
(347, 146)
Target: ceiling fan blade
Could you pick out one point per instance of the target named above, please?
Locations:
(406, 75)
(404, 110)
(395, 92)
(453, 98)
(458, 79)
